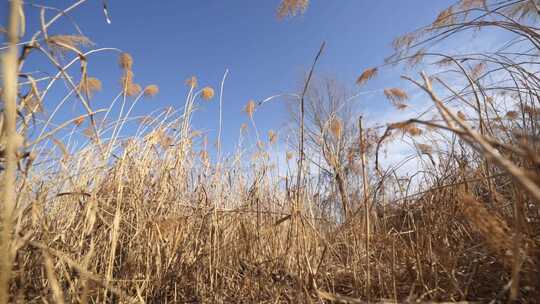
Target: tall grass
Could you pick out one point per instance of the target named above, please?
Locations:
(92, 215)
(11, 144)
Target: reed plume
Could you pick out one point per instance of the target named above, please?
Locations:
(366, 76)
(250, 108)
(207, 93)
(151, 90)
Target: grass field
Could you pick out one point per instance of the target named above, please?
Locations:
(158, 218)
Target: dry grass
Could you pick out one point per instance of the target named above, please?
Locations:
(291, 7)
(366, 76)
(152, 218)
(397, 97)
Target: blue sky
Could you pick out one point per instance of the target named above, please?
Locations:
(172, 40)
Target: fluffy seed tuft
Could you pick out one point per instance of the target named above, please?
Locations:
(289, 155)
(250, 108)
(291, 7)
(366, 76)
(90, 85)
(125, 61)
(272, 137)
(207, 93)
(336, 127)
(511, 115)
(191, 82)
(133, 89)
(445, 18)
(397, 97)
(151, 90)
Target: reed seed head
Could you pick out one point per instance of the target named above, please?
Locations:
(191, 82)
(90, 85)
(407, 128)
(250, 108)
(366, 76)
(207, 93)
(289, 155)
(445, 18)
(272, 137)
(477, 70)
(291, 7)
(511, 115)
(151, 90)
(397, 97)
(125, 61)
(133, 89)
(336, 127)
(469, 4)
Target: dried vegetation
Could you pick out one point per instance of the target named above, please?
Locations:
(152, 217)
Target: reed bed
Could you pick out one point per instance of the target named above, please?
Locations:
(92, 215)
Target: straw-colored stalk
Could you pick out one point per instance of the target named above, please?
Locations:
(9, 70)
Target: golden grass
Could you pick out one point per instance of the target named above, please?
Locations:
(397, 97)
(192, 82)
(291, 7)
(336, 127)
(250, 108)
(150, 217)
(366, 76)
(272, 137)
(125, 61)
(11, 142)
(151, 90)
(90, 85)
(207, 93)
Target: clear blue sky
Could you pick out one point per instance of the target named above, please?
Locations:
(172, 40)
